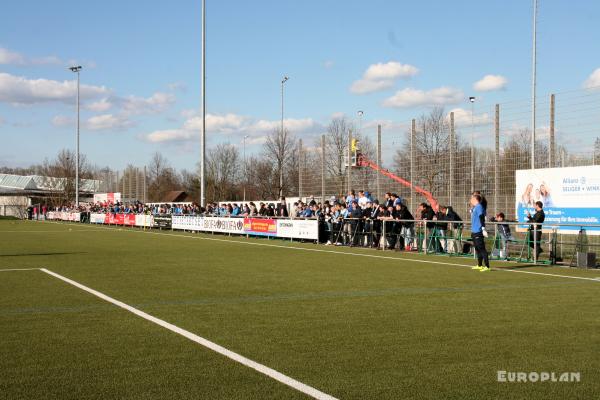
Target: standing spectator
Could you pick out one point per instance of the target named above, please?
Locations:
(477, 233)
(407, 231)
(504, 234)
(535, 230)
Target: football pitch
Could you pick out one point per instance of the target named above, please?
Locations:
(91, 312)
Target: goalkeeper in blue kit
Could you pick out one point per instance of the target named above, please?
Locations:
(478, 233)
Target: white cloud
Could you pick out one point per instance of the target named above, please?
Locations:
(61, 120)
(364, 86)
(154, 104)
(463, 117)
(101, 105)
(409, 97)
(593, 81)
(490, 82)
(10, 57)
(382, 76)
(169, 135)
(108, 122)
(177, 86)
(390, 70)
(20, 90)
(233, 125)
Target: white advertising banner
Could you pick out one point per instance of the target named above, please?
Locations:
(569, 195)
(97, 218)
(63, 216)
(298, 229)
(144, 220)
(107, 197)
(208, 224)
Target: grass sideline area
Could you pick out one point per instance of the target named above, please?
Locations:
(352, 323)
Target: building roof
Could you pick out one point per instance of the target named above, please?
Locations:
(43, 183)
(176, 196)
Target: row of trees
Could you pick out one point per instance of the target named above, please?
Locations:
(275, 170)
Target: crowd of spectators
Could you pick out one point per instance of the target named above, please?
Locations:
(357, 219)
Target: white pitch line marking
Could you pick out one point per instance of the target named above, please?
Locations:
(19, 269)
(278, 376)
(344, 253)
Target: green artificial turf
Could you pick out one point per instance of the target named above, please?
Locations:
(382, 325)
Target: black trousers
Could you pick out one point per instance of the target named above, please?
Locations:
(480, 250)
(536, 242)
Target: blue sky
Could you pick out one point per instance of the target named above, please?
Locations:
(391, 59)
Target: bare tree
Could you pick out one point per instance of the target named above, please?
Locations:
(336, 150)
(59, 175)
(162, 177)
(279, 147)
(431, 152)
(223, 167)
(261, 178)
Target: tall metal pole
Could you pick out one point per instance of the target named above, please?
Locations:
(349, 160)
(203, 112)
(300, 168)
(552, 152)
(284, 80)
(77, 69)
(378, 180)
(322, 169)
(497, 158)
(472, 99)
(413, 132)
(451, 180)
(245, 168)
(533, 83)
(77, 150)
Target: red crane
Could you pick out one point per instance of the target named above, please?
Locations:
(362, 161)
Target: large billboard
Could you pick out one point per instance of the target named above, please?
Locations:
(569, 195)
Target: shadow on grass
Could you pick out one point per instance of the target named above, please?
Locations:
(42, 254)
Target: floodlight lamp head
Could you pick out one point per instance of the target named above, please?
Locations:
(76, 68)
(285, 78)
(472, 99)
(360, 113)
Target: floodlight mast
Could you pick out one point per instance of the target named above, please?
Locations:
(203, 112)
(77, 69)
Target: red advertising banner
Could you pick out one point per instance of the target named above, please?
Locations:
(259, 226)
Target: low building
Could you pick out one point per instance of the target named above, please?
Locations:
(17, 192)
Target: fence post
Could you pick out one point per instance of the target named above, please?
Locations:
(383, 236)
(413, 130)
(535, 244)
(322, 169)
(451, 180)
(300, 168)
(137, 183)
(349, 160)
(551, 153)
(497, 158)
(426, 243)
(378, 182)
(145, 185)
